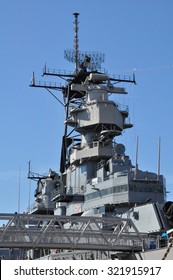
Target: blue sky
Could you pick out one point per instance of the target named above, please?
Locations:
(132, 34)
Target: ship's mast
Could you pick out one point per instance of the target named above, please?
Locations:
(86, 63)
(76, 41)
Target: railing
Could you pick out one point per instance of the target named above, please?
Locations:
(49, 71)
(45, 84)
(46, 206)
(124, 78)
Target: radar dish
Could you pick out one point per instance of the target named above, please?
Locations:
(120, 149)
(95, 58)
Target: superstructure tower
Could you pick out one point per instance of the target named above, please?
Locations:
(96, 176)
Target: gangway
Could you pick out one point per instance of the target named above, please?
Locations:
(68, 232)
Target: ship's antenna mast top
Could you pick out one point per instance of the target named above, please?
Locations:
(76, 41)
(82, 60)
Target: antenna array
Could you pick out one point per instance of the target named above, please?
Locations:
(95, 58)
(82, 60)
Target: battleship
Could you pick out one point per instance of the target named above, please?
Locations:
(98, 205)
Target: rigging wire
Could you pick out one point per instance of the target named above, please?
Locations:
(153, 68)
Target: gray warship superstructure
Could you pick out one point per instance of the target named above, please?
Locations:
(96, 178)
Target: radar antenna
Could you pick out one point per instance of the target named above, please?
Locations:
(83, 60)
